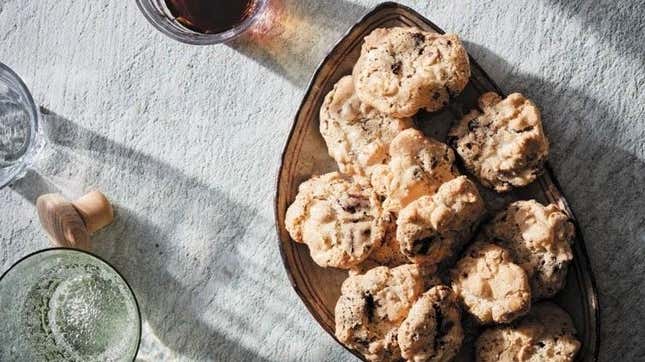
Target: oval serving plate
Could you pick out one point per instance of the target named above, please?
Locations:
(305, 154)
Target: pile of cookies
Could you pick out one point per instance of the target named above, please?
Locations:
(399, 214)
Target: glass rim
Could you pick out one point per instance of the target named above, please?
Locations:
(16, 83)
(166, 26)
(92, 255)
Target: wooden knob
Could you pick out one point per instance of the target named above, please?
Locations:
(95, 210)
(70, 224)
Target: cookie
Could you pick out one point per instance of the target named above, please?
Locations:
(357, 135)
(403, 70)
(503, 142)
(338, 217)
(545, 334)
(418, 166)
(371, 308)
(539, 239)
(432, 330)
(489, 285)
(431, 228)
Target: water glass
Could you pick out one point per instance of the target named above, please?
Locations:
(19, 121)
(67, 305)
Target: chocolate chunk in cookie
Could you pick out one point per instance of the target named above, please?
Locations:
(503, 143)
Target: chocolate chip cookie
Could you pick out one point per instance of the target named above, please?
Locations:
(503, 142)
(338, 217)
(371, 308)
(402, 70)
(539, 239)
(418, 166)
(431, 228)
(545, 334)
(357, 135)
(489, 285)
(432, 330)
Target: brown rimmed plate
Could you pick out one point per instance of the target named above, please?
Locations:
(305, 154)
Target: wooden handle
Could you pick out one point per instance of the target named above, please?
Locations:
(95, 210)
(71, 224)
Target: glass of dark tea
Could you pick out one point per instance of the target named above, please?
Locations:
(202, 22)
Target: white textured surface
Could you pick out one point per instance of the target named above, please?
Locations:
(187, 140)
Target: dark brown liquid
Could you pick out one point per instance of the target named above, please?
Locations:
(211, 16)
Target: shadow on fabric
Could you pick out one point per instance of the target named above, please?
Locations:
(166, 275)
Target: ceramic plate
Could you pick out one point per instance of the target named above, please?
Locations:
(305, 154)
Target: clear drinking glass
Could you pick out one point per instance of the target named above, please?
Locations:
(67, 305)
(158, 14)
(19, 121)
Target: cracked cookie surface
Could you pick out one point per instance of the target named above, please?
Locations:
(419, 165)
(402, 70)
(357, 135)
(338, 217)
(432, 330)
(503, 143)
(489, 285)
(545, 334)
(373, 305)
(432, 228)
(539, 239)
